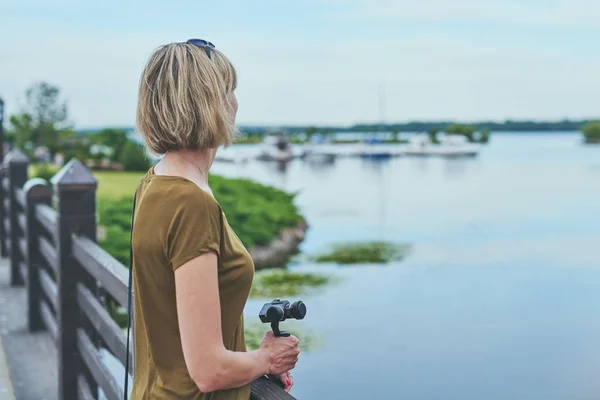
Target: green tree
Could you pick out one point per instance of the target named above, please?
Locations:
(591, 132)
(133, 157)
(432, 133)
(21, 128)
(311, 130)
(485, 135)
(43, 119)
(459, 129)
(113, 138)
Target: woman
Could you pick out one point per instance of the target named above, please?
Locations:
(192, 275)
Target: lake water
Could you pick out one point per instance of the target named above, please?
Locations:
(500, 296)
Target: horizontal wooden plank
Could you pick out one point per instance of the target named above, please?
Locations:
(23, 247)
(111, 274)
(108, 329)
(49, 253)
(83, 389)
(21, 197)
(49, 287)
(265, 389)
(23, 270)
(22, 219)
(49, 321)
(47, 217)
(99, 371)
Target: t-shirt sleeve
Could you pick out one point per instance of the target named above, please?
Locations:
(195, 228)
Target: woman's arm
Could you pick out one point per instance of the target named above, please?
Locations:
(209, 363)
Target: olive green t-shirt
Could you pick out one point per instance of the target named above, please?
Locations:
(174, 222)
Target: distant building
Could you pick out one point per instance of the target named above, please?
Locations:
(42, 153)
(101, 149)
(59, 159)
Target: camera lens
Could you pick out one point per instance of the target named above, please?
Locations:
(275, 313)
(298, 310)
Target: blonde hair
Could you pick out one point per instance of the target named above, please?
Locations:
(183, 99)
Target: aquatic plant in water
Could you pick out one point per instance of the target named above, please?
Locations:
(255, 330)
(281, 283)
(364, 252)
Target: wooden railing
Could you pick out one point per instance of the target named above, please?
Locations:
(49, 233)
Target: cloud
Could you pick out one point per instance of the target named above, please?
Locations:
(324, 73)
(551, 13)
(291, 81)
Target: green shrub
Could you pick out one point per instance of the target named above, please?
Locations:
(134, 158)
(591, 132)
(116, 243)
(115, 215)
(44, 171)
(257, 214)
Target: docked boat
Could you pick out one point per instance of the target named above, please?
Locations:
(372, 149)
(448, 146)
(275, 148)
(318, 150)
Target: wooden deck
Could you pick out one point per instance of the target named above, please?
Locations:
(6, 388)
(28, 361)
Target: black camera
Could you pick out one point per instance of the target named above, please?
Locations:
(280, 310)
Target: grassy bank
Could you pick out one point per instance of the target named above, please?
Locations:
(256, 212)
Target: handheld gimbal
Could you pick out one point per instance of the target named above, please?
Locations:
(280, 310)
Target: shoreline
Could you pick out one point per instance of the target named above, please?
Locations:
(277, 253)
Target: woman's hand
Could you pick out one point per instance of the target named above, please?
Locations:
(281, 353)
(288, 381)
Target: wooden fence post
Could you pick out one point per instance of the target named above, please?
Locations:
(17, 164)
(75, 198)
(37, 191)
(3, 251)
(3, 213)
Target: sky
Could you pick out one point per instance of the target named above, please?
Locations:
(321, 62)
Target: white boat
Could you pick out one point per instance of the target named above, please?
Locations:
(275, 148)
(448, 146)
(372, 149)
(318, 150)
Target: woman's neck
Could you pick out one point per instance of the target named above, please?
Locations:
(202, 159)
(191, 164)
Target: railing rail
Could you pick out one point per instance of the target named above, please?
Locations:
(54, 256)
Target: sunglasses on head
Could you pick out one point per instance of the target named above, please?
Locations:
(205, 44)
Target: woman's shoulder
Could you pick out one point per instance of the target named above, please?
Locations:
(179, 195)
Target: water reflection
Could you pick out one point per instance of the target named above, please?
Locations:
(457, 167)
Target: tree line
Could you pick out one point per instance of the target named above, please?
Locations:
(437, 126)
(42, 130)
